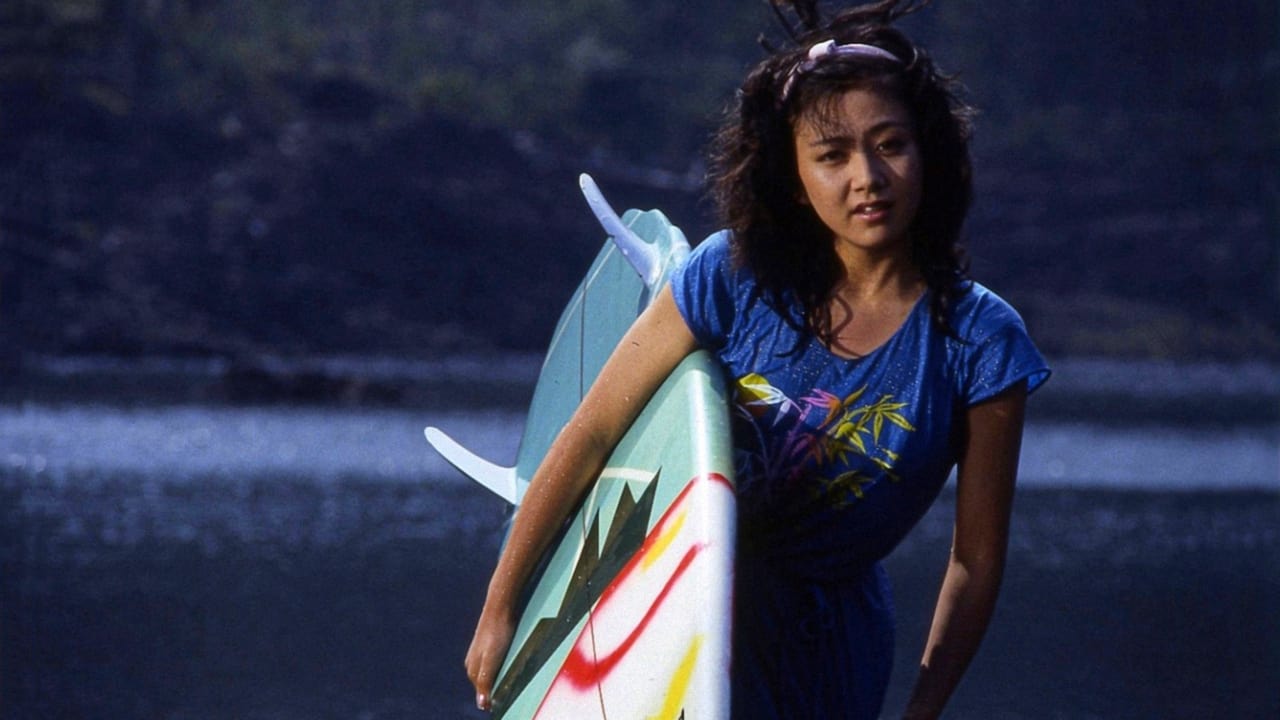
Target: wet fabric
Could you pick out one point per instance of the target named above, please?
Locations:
(836, 459)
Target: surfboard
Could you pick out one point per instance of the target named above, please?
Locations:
(630, 615)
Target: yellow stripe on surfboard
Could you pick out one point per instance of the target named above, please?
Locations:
(674, 705)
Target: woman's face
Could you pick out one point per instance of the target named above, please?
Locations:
(861, 171)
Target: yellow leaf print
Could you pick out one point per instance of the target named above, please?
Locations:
(842, 406)
(846, 488)
(755, 392)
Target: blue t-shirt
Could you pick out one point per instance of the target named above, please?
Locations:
(837, 459)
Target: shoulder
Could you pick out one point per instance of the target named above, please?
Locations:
(979, 312)
(991, 348)
(716, 248)
(712, 262)
(709, 290)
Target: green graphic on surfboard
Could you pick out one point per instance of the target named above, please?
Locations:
(630, 616)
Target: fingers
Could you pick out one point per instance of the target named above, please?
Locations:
(483, 682)
(480, 670)
(484, 657)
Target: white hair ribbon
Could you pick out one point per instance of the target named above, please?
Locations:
(829, 49)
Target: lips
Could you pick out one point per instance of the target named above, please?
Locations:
(873, 211)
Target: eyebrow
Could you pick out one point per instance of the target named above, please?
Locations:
(877, 128)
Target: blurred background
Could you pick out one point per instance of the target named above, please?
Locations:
(248, 248)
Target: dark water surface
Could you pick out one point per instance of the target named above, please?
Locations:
(281, 598)
(274, 599)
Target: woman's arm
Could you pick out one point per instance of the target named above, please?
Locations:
(657, 341)
(985, 478)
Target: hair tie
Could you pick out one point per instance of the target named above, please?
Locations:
(829, 49)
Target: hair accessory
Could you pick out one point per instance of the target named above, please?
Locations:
(829, 49)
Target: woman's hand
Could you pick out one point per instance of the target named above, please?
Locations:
(488, 649)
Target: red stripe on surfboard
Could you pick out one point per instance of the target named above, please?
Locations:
(580, 671)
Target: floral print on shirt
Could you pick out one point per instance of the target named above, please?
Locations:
(831, 444)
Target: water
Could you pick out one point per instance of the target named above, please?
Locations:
(1153, 458)
(173, 559)
(324, 445)
(190, 443)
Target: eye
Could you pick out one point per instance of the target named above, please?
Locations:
(831, 156)
(891, 145)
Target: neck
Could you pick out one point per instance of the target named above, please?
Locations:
(869, 275)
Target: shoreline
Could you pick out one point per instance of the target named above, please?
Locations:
(1103, 391)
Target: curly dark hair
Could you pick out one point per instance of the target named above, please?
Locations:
(755, 184)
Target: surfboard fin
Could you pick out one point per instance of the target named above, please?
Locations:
(498, 479)
(643, 257)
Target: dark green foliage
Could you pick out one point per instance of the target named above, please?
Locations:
(244, 176)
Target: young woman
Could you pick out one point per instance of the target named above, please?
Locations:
(866, 366)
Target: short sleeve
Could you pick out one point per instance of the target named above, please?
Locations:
(998, 353)
(703, 291)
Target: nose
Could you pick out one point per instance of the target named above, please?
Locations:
(865, 173)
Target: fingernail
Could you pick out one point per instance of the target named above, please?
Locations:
(482, 702)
